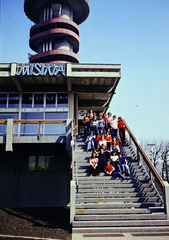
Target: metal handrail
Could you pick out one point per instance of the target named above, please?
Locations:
(73, 142)
(73, 146)
(150, 165)
(34, 120)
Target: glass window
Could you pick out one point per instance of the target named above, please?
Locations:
(3, 129)
(56, 115)
(38, 100)
(30, 128)
(13, 100)
(55, 128)
(32, 115)
(9, 115)
(50, 100)
(32, 163)
(62, 100)
(43, 161)
(3, 100)
(26, 100)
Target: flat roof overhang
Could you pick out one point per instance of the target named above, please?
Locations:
(95, 84)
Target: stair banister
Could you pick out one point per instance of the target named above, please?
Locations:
(150, 165)
(162, 184)
(72, 182)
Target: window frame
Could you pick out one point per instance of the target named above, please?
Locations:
(37, 154)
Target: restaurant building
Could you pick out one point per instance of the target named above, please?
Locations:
(40, 102)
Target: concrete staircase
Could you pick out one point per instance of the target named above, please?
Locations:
(108, 205)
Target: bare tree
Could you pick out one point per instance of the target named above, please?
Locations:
(155, 154)
(159, 156)
(165, 161)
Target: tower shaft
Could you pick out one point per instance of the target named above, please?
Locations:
(55, 35)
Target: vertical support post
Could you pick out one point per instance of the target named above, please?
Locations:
(9, 135)
(76, 113)
(139, 157)
(166, 198)
(68, 134)
(73, 162)
(72, 200)
(39, 129)
(130, 140)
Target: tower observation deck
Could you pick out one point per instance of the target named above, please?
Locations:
(55, 35)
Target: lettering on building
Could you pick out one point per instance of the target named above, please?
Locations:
(43, 69)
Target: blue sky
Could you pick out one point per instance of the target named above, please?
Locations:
(133, 33)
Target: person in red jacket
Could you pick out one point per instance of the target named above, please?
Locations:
(86, 121)
(115, 172)
(122, 129)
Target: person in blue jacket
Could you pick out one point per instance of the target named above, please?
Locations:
(124, 167)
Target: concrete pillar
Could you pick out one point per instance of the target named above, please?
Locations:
(71, 106)
(9, 135)
(166, 198)
(68, 134)
(13, 69)
(76, 114)
(72, 200)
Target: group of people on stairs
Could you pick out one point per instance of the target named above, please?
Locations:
(101, 139)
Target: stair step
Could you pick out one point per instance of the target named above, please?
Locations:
(115, 185)
(106, 195)
(104, 177)
(109, 181)
(102, 174)
(138, 223)
(116, 217)
(123, 223)
(106, 204)
(122, 200)
(131, 229)
(113, 190)
(100, 205)
(120, 211)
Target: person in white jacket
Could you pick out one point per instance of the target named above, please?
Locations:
(114, 126)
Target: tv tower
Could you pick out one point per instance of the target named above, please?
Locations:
(55, 35)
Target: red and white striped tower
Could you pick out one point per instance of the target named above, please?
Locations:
(55, 35)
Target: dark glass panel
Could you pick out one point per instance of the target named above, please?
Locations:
(3, 100)
(9, 115)
(56, 115)
(50, 100)
(45, 163)
(38, 100)
(13, 100)
(32, 115)
(62, 100)
(26, 100)
(32, 163)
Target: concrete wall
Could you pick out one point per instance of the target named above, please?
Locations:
(21, 188)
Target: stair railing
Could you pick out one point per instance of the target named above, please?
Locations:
(164, 186)
(72, 182)
(73, 146)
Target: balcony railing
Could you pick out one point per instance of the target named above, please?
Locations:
(33, 127)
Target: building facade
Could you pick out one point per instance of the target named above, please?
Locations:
(41, 99)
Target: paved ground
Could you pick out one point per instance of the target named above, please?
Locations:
(35, 223)
(8, 237)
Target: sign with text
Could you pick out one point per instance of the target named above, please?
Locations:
(41, 69)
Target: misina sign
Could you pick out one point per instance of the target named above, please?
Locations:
(41, 69)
